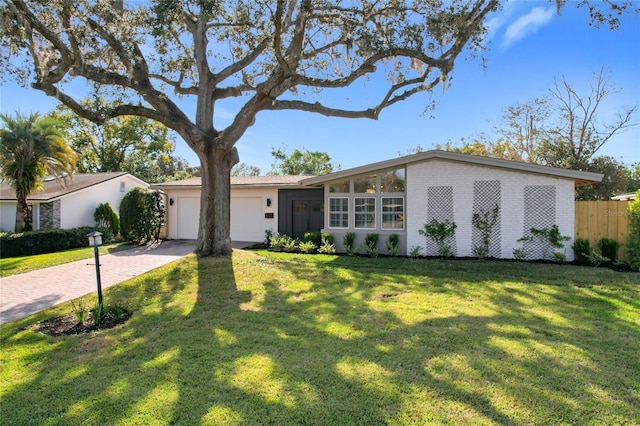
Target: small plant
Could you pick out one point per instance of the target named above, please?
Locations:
(276, 242)
(314, 237)
(609, 248)
(371, 244)
(484, 222)
(348, 240)
(290, 244)
(80, 310)
(327, 247)
(595, 257)
(581, 249)
(307, 247)
(268, 234)
(117, 311)
(99, 313)
(439, 232)
(519, 254)
(393, 245)
(550, 237)
(415, 252)
(481, 251)
(559, 257)
(327, 237)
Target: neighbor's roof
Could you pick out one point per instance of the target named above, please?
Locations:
(53, 189)
(624, 197)
(236, 182)
(580, 177)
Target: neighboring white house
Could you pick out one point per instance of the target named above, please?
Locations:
(70, 205)
(398, 196)
(258, 203)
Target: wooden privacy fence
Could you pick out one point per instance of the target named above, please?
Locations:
(599, 219)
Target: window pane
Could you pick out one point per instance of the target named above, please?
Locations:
(392, 181)
(339, 187)
(365, 185)
(393, 213)
(338, 213)
(365, 212)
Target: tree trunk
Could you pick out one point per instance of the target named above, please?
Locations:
(214, 232)
(21, 214)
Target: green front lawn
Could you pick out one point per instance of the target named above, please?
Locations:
(20, 265)
(291, 339)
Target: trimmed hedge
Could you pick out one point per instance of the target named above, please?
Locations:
(47, 241)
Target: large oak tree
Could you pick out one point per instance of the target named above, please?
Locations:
(271, 55)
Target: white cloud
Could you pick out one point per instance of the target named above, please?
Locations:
(527, 25)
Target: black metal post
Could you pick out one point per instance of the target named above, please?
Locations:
(97, 257)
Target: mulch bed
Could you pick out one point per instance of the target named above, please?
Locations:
(68, 324)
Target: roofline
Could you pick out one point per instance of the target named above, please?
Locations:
(31, 198)
(585, 178)
(248, 185)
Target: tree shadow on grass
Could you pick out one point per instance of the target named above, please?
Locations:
(341, 342)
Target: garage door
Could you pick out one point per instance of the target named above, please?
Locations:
(247, 219)
(188, 217)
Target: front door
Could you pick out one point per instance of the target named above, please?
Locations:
(308, 216)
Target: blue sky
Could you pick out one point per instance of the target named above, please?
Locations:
(530, 45)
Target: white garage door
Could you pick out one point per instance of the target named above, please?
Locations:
(247, 219)
(188, 217)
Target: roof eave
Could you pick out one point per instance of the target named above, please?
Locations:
(580, 177)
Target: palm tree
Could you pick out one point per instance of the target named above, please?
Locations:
(31, 148)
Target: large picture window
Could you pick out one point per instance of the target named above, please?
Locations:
(392, 181)
(365, 212)
(365, 185)
(338, 212)
(392, 213)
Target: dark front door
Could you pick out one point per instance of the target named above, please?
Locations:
(300, 211)
(308, 216)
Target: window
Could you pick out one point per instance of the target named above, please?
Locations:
(392, 181)
(392, 213)
(338, 212)
(339, 187)
(365, 212)
(365, 185)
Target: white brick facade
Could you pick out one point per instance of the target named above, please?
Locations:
(461, 177)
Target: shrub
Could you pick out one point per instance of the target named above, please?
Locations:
(393, 245)
(141, 215)
(550, 237)
(415, 251)
(314, 237)
(519, 254)
(348, 241)
(327, 247)
(595, 257)
(307, 247)
(290, 244)
(106, 218)
(47, 241)
(633, 240)
(609, 248)
(275, 242)
(371, 244)
(439, 232)
(328, 238)
(581, 249)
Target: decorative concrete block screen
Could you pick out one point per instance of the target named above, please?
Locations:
(539, 213)
(440, 207)
(486, 198)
